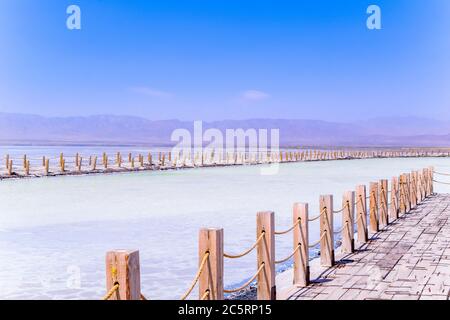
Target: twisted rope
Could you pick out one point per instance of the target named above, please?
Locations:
(248, 282)
(341, 229)
(441, 182)
(318, 216)
(318, 241)
(343, 208)
(290, 256)
(205, 295)
(231, 256)
(441, 173)
(290, 229)
(111, 291)
(197, 276)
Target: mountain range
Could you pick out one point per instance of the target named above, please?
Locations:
(131, 130)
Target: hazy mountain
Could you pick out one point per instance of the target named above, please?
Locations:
(111, 129)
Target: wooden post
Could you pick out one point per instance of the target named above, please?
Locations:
(61, 159)
(122, 268)
(414, 188)
(402, 195)
(412, 192)
(422, 185)
(119, 159)
(77, 158)
(47, 165)
(431, 178)
(10, 167)
(326, 231)
(7, 161)
(407, 192)
(383, 203)
(426, 178)
(266, 255)
(348, 218)
(94, 163)
(373, 209)
(80, 163)
(361, 213)
(211, 279)
(27, 167)
(394, 199)
(150, 159)
(301, 256)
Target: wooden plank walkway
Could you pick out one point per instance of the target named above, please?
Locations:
(408, 259)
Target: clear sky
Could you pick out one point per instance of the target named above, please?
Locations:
(226, 59)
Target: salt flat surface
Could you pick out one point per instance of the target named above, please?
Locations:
(50, 228)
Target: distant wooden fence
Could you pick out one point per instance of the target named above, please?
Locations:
(105, 163)
(380, 205)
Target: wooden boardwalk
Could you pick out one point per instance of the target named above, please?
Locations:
(408, 259)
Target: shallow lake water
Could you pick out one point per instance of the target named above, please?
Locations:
(54, 232)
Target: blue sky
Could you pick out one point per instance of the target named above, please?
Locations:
(230, 59)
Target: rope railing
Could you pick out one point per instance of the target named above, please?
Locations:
(205, 295)
(318, 216)
(245, 285)
(341, 229)
(197, 276)
(111, 291)
(442, 173)
(418, 185)
(290, 256)
(441, 182)
(288, 230)
(315, 244)
(231, 256)
(342, 209)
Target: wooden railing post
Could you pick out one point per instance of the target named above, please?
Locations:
(373, 207)
(47, 165)
(431, 178)
(416, 195)
(326, 231)
(348, 218)
(412, 191)
(394, 199)
(301, 256)
(265, 223)
(361, 213)
(402, 195)
(122, 268)
(421, 186)
(426, 178)
(407, 192)
(211, 279)
(383, 203)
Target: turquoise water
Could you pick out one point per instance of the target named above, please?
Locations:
(54, 229)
